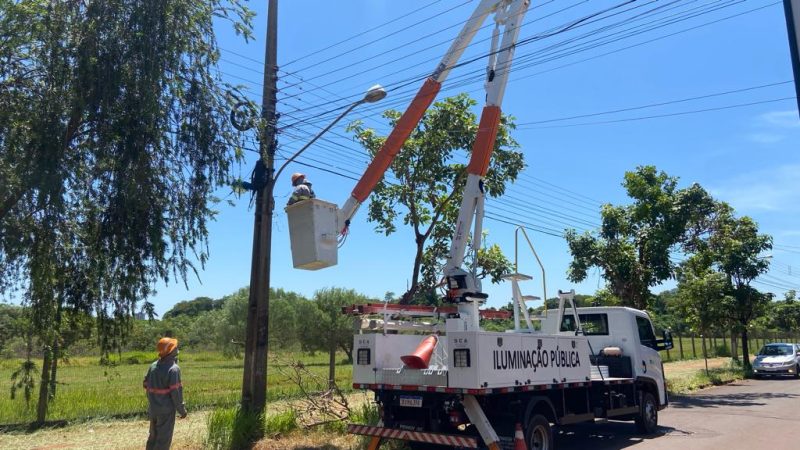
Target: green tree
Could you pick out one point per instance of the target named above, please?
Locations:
(328, 328)
(193, 308)
(665, 312)
(430, 184)
(113, 137)
(702, 295)
(634, 242)
(735, 246)
(785, 314)
(12, 324)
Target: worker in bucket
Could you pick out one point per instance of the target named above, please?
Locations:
(164, 394)
(302, 189)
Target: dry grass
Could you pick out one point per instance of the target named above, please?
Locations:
(189, 433)
(119, 434)
(303, 440)
(691, 366)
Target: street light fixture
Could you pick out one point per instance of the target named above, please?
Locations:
(374, 94)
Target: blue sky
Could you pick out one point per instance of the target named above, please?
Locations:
(644, 53)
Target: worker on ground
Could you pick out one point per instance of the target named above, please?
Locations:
(302, 189)
(164, 394)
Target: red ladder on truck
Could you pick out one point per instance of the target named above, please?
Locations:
(418, 310)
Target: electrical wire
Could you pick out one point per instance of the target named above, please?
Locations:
(414, 79)
(362, 33)
(648, 41)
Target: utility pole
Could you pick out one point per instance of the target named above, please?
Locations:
(254, 380)
(792, 10)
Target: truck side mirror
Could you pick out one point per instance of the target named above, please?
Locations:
(666, 342)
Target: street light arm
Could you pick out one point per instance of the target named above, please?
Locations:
(305, 147)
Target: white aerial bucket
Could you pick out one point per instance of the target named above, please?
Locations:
(312, 232)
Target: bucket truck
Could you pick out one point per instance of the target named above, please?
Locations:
(450, 382)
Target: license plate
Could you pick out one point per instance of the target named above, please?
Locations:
(411, 401)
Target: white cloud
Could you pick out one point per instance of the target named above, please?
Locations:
(764, 190)
(781, 119)
(765, 138)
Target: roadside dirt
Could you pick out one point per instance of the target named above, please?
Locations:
(189, 433)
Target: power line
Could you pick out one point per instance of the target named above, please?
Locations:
(653, 105)
(657, 116)
(359, 34)
(418, 51)
(620, 49)
(360, 47)
(621, 22)
(416, 78)
(523, 57)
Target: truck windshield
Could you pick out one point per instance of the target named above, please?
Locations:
(776, 350)
(592, 324)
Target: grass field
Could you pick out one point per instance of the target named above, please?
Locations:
(189, 434)
(88, 390)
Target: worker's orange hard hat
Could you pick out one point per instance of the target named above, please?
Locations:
(166, 346)
(297, 176)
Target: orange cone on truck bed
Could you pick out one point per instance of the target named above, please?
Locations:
(422, 355)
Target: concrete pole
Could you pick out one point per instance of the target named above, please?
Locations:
(254, 380)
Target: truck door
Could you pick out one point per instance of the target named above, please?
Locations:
(648, 362)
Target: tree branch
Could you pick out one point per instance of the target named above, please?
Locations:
(440, 209)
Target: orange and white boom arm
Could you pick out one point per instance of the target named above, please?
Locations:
(464, 286)
(413, 114)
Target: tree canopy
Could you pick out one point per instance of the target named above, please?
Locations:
(194, 307)
(113, 137)
(427, 183)
(634, 243)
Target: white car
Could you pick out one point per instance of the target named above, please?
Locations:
(777, 359)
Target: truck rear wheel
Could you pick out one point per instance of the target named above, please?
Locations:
(647, 419)
(539, 434)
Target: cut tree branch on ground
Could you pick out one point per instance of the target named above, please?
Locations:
(321, 401)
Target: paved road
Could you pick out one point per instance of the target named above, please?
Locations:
(752, 414)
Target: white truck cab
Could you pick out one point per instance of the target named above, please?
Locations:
(627, 329)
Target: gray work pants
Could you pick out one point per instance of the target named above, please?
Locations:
(161, 427)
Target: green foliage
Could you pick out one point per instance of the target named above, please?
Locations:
(366, 414)
(233, 429)
(430, 184)
(717, 376)
(785, 314)
(634, 242)
(193, 308)
(12, 324)
(702, 296)
(113, 139)
(87, 390)
(331, 329)
(735, 248)
(24, 378)
(281, 423)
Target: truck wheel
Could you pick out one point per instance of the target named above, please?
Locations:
(539, 434)
(647, 419)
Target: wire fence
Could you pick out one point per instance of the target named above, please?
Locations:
(695, 346)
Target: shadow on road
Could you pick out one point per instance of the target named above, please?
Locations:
(742, 399)
(605, 436)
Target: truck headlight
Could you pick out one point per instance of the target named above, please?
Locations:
(461, 357)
